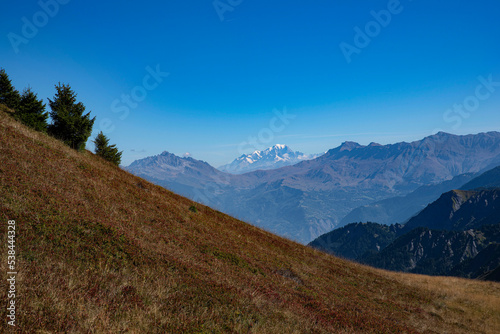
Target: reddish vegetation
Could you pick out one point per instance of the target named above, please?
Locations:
(103, 251)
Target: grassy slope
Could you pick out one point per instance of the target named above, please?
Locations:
(102, 251)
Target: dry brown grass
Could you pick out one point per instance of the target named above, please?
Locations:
(102, 251)
(458, 301)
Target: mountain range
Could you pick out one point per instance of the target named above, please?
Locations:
(274, 157)
(305, 200)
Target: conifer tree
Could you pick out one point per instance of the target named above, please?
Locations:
(108, 152)
(9, 96)
(69, 124)
(31, 111)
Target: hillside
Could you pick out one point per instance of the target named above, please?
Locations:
(324, 190)
(102, 251)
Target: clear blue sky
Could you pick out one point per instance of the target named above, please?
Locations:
(228, 72)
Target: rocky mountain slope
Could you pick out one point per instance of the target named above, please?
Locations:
(459, 210)
(354, 240)
(471, 253)
(455, 235)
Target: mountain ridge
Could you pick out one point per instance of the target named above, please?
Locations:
(273, 157)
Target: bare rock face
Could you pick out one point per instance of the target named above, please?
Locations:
(459, 210)
(458, 235)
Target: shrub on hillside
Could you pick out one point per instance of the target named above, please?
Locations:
(69, 123)
(31, 111)
(9, 96)
(108, 152)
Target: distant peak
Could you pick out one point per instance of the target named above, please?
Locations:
(277, 147)
(173, 156)
(439, 135)
(276, 156)
(349, 145)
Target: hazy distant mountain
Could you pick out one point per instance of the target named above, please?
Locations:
(169, 166)
(489, 179)
(271, 158)
(185, 176)
(310, 198)
(401, 208)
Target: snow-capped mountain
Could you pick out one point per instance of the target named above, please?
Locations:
(271, 158)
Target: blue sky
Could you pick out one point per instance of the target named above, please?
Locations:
(234, 68)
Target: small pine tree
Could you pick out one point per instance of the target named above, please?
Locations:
(8, 94)
(32, 112)
(108, 152)
(69, 124)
